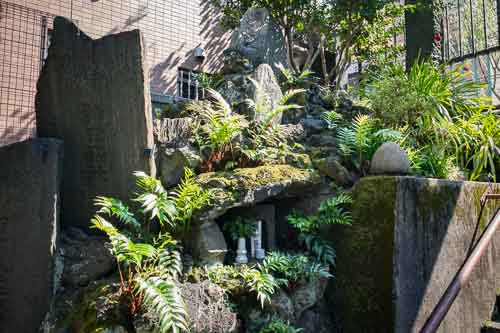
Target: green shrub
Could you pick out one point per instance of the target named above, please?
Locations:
(279, 326)
(448, 128)
(293, 268)
(244, 279)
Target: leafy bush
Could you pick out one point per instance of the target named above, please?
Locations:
(399, 97)
(447, 125)
(279, 326)
(293, 268)
(240, 227)
(244, 279)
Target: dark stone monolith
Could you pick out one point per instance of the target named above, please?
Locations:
(94, 94)
(29, 200)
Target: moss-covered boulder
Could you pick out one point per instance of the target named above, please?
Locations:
(247, 187)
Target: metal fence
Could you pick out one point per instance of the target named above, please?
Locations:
(23, 46)
(470, 33)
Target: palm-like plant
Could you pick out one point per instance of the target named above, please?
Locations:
(477, 143)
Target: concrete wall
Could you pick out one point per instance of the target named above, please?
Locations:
(409, 238)
(172, 29)
(29, 200)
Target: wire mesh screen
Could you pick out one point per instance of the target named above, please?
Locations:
(23, 43)
(470, 27)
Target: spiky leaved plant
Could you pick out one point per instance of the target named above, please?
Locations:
(148, 258)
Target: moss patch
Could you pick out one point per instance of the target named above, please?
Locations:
(364, 257)
(244, 187)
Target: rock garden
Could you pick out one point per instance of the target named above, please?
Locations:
(229, 216)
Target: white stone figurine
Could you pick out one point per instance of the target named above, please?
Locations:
(241, 253)
(259, 251)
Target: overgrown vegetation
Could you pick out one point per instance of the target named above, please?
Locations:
(447, 126)
(148, 257)
(352, 30)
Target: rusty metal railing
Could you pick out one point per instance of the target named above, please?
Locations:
(463, 276)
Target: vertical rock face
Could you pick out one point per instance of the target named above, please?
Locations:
(268, 92)
(29, 201)
(94, 94)
(260, 40)
(408, 238)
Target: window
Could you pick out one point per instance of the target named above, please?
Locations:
(188, 86)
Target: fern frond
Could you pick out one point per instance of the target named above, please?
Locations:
(290, 94)
(163, 298)
(155, 200)
(171, 261)
(332, 118)
(125, 250)
(220, 101)
(116, 208)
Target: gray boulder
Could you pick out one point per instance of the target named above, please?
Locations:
(282, 304)
(308, 294)
(313, 125)
(267, 92)
(293, 132)
(331, 167)
(260, 40)
(209, 247)
(207, 308)
(172, 161)
(390, 159)
(86, 258)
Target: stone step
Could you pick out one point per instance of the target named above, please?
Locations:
(491, 327)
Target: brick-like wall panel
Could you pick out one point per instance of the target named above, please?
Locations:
(171, 28)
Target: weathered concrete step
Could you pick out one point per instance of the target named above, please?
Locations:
(491, 327)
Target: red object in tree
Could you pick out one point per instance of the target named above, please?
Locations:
(437, 38)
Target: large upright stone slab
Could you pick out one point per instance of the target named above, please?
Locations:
(94, 94)
(29, 210)
(408, 238)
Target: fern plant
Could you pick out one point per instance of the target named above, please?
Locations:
(240, 227)
(189, 198)
(291, 269)
(218, 128)
(331, 211)
(149, 259)
(244, 279)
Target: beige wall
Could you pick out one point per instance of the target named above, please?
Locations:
(171, 28)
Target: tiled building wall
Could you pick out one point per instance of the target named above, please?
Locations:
(172, 30)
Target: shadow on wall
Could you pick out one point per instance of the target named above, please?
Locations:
(24, 130)
(142, 12)
(216, 40)
(158, 74)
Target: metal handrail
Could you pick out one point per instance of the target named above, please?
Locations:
(463, 275)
